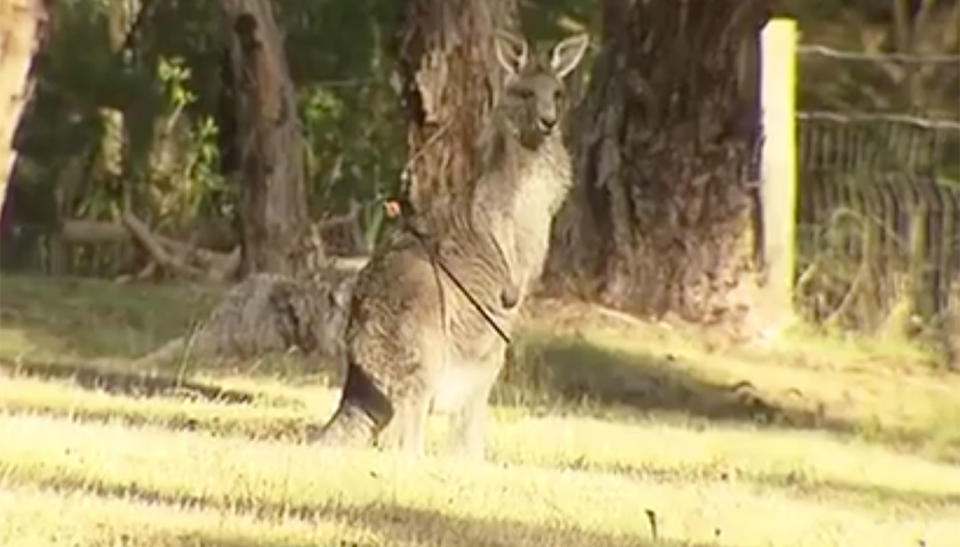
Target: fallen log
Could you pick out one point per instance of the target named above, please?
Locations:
(166, 259)
(82, 231)
(176, 256)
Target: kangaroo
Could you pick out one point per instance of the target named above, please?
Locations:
(414, 341)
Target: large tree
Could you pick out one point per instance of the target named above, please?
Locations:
(268, 143)
(21, 26)
(449, 76)
(663, 218)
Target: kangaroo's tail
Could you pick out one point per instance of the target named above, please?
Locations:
(363, 411)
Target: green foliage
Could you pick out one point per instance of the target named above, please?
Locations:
(339, 56)
(174, 74)
(169, 89)
(184, 179)
(551, 20)
(174, 130)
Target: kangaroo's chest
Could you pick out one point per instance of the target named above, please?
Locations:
(543, 189)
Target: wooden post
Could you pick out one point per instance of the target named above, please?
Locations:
(921, 268)
(20, 24)
(779, 166)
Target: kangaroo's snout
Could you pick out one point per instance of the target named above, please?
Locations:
(547, 106)
(546, 122)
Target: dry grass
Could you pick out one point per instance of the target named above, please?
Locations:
(53, 318)
(265, 417)
(597, 421)
(885, 391)
(37, 517)
(806, 460)
(549, 505)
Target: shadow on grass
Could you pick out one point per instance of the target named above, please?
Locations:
(798, 484)
(398, 523)
(124, 383)
(91, 318)
(404, 525)
(95, 318)
(575, 371)
(430, 527)
(910, 498)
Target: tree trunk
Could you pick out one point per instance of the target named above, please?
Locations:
(449, 75)
(21, 26)
(664, 215)
(268, 142)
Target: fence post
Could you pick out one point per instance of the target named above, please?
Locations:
(778, 167)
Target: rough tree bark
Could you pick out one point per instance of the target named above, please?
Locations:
(664, 215)
(21, 32)
(267, 140)
(449, 77)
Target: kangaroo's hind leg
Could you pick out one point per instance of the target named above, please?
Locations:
(406, 431)
(468, 423)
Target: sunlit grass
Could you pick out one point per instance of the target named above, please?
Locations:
(36, 518)
(595, 421)
(696, 450)
(805, 461)
(276, 478)
(910, 405)
(260, 419)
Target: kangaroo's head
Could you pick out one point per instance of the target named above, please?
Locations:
(534, 96)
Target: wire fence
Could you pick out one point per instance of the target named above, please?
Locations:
(878, 211)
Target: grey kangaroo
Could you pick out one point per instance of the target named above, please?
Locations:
(415, 342)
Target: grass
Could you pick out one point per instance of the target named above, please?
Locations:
(274, 479)
(72, 517)
(257, 420)
(886, 392)
(806, 460)
(54, 319)
(596, 422)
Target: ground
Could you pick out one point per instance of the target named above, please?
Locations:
(606, 431)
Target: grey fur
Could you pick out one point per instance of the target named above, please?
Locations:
(414, 343)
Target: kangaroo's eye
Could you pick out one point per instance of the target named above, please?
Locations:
(558, 95)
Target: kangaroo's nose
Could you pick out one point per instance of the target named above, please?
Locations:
(547, 122)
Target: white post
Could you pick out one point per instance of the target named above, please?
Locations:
(778, 53)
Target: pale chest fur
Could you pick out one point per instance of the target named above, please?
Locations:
(516, 203)
(543, 186)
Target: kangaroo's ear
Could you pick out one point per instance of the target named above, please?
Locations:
(565, 55)
(511, 51)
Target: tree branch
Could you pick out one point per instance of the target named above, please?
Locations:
(83, 231)
(143, 236)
